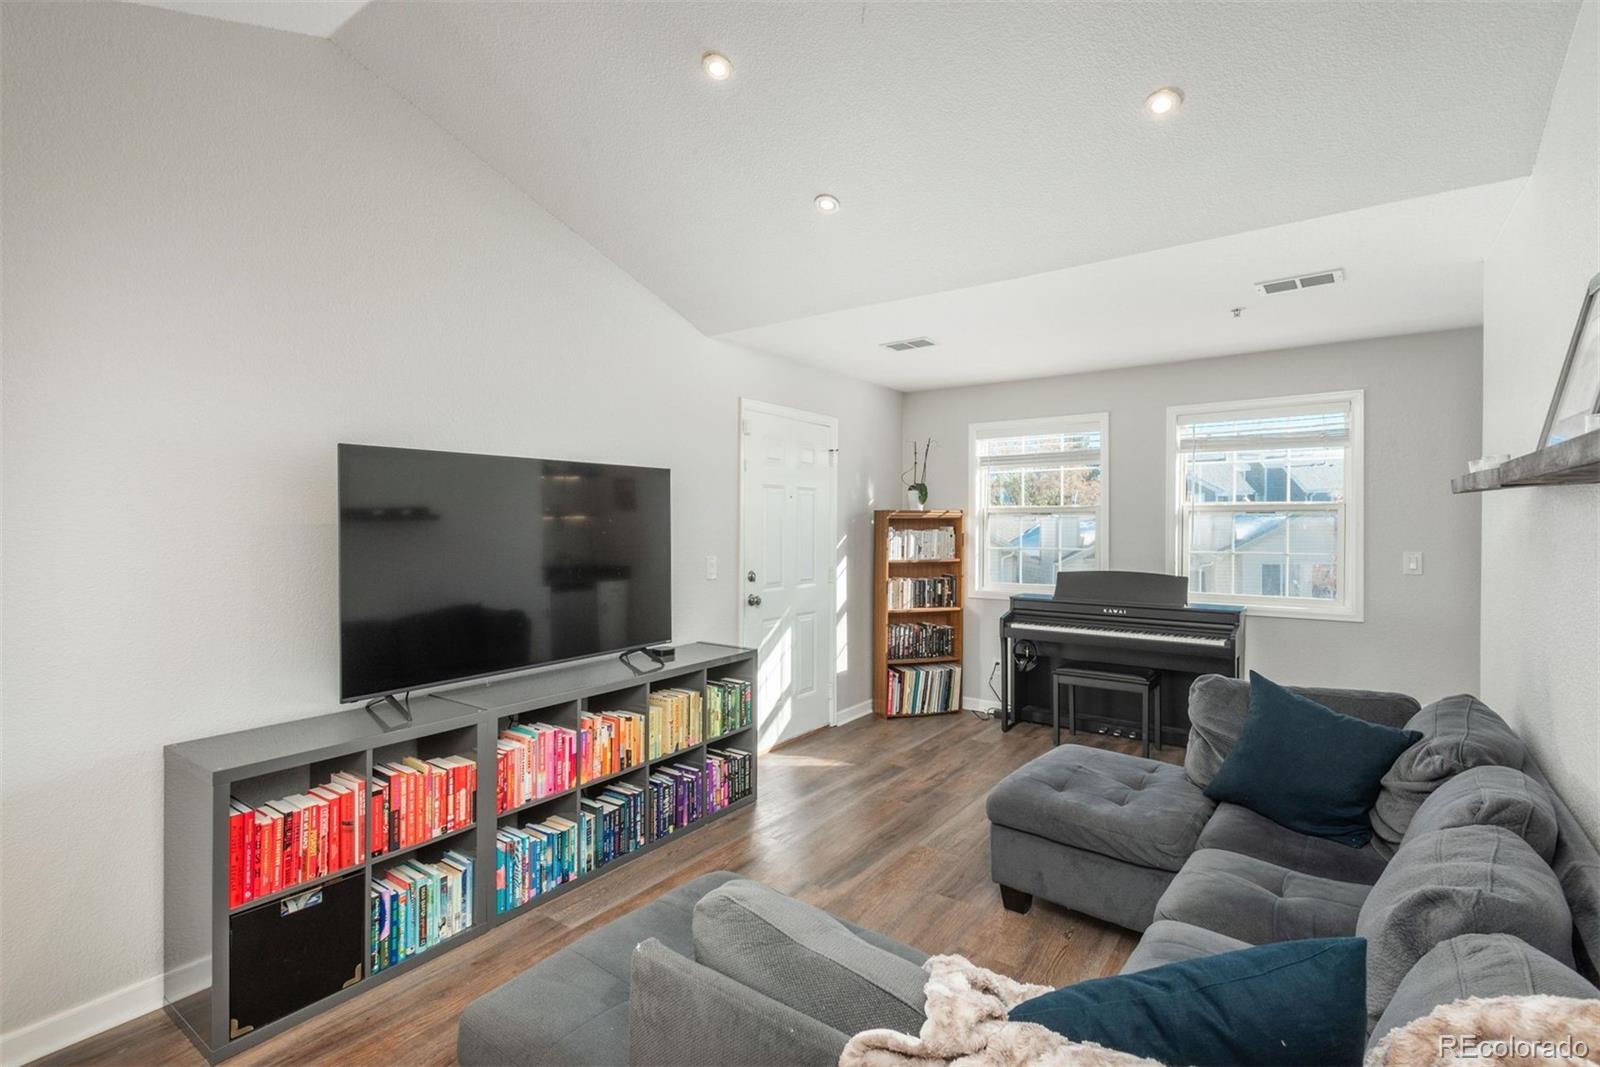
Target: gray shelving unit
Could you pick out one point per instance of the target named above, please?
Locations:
(205, 775)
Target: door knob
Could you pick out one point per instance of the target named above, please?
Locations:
(754, 600)
(750, 576)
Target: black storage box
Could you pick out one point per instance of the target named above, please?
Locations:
(291, 952)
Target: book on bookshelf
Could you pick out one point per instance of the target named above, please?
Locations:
(676, 718)
(939, 542)
(730, 705)
(416, 905)
(925, 690)
(608, 742)
(534, 760)
(677, 798)
(533, 859)
(295, 839)
(416, 800)
(727, 777)
(920, 640)
(611, 824)
(935, 592)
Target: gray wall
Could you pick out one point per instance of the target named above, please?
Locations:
(226, 249)
(1422, 424)
(1541, 547)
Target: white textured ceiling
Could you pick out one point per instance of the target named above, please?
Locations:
(969, 142)
(1409, 267)
(316, 18)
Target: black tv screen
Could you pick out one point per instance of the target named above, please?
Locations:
(455, 566)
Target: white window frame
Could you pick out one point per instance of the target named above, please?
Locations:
(1352, 536)
(977, 510)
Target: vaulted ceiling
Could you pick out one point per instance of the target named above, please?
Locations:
(1001, 183)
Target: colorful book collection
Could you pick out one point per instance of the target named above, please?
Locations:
(415, 800)
(920, 640)
(727, 777)
(937, 543)
(676, 716)
(611, 824)
(609, 741)
(295, 839)
(937, 592)
(677, 798)
(416, 905)
(533, 760)
(924, 690)
(533, 859)
(730, 705)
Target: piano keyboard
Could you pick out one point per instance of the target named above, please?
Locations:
(1131, 635)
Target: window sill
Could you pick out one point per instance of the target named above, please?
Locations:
(1289, 611)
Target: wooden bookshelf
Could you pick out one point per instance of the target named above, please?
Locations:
(884, 568)
(203, 969)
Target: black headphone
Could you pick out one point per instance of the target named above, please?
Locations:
(1024, 656)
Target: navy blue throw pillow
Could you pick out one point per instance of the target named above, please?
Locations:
(1308, 767)
(1294, 1002)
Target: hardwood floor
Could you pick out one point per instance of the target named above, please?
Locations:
(880, 822)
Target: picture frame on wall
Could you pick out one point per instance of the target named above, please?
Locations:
(1577, 395)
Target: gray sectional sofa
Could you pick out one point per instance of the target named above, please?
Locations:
(1475, 884)
(1477, 881)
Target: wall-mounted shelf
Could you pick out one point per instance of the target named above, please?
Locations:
(1573, 462)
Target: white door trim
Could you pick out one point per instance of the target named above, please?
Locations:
(747, 405)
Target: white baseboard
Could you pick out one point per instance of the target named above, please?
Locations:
(855, 711)
(56, 1032)
(980, 703)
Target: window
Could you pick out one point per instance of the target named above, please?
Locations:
(1038, 501)
(1268, 504)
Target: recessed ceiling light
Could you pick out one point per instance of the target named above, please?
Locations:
(1163, 101)
(718, 66)
(827, 203)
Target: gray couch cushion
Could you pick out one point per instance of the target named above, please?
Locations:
(1492, 796)
(571, 1010)
(1138, 810)
(1235, 828)
(803, 957)
(1218, 707)
(1478, 965)
(685, 1015)
(1458, 733)
(1173, 942)
(1465, 880)
(1259, 902)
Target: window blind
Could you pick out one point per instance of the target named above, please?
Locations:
(1322, 426)
(1056, 448)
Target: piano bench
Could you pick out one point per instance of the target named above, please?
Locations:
(1117, 679)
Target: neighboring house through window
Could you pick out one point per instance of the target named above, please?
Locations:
(1267, 498)
(1038, 500)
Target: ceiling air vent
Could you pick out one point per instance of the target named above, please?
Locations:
(907, 345)
(1305, 281)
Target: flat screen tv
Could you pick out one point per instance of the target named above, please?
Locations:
(455, 566)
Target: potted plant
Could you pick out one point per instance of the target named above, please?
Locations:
(917, 485)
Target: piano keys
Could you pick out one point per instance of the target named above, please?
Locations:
(1115, 618)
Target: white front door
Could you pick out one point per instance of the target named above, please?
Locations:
(786, 574)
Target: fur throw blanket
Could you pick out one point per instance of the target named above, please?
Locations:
(1496, 1032)
(967, 1027)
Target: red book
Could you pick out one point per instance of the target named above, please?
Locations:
(380, 820)
(236, 854)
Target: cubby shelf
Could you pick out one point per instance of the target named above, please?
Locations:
(390, 855)
(203, 776)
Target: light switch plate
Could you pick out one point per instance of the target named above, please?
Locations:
(1411, 562)
(711, 568)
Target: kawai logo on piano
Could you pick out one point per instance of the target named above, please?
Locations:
(1113, 611)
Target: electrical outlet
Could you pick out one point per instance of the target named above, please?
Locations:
(711, 568)
(1411, 562)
